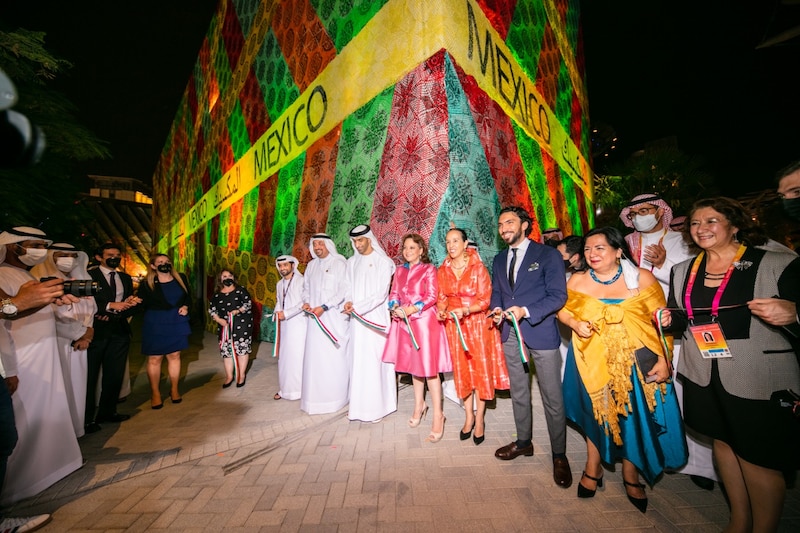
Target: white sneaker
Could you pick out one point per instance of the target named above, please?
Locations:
(20, 524)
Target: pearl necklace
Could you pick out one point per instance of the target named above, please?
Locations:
(609, 282)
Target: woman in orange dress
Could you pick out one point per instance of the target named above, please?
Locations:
(465, 289)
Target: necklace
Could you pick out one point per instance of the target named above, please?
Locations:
(609, 282)
(712, 276)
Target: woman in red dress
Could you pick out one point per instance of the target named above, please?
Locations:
(465, 289)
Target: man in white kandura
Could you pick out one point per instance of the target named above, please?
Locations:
(292, 324)
(326, 369)
(373, 385)
(47, 449)
(658, 248)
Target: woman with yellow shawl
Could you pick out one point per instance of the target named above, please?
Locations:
(625, 412)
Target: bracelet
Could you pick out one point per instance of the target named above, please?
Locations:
(324, 307)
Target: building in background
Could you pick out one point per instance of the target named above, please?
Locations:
(304, 116)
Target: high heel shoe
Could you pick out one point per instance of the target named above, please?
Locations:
(639, 503)
(158, 406)
(465, 436)
(479, 440)
(583, 492)
(436, 437)
(414, 422)
(179, 400)
(228, 384)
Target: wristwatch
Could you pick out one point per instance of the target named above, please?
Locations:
(8, 307)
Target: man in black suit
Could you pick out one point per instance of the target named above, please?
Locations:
(529, 283)
(112, 337)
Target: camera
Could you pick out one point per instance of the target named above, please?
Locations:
(78, 287)
(21, 142)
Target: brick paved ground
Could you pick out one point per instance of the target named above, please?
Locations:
(236, 460)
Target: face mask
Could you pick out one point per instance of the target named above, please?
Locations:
(113, 262)
(227, 282)
(567, 264)
(166, 268)
(792, 207)
(644, 223)
(33, 256)
(65, 264)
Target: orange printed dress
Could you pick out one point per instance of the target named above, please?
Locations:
(482, 367)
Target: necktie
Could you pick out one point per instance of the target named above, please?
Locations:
(112, 282)
(511, 268)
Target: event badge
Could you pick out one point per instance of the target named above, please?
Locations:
(711, 341)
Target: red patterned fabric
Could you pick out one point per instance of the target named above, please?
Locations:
(232, 35)
(226, 157)
(303, 39)
(235, 223)
(499, 144)
(555, 190)
(415, 166)
(191, 97)
(576, 123)
(254, 111)
(316, 192)
(548, 67)
(499, 13)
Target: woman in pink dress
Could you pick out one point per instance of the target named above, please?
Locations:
(465, 289)
(412, 301)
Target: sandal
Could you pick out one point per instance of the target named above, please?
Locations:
(277, 396)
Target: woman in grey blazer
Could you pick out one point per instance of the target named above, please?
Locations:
(731, 361)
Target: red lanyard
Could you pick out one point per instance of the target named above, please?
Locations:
(687, 297)
(641, 249)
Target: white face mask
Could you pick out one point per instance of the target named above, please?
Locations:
(33, 256)
(645, 223)
(65, 264)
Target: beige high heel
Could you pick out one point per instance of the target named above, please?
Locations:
(414, 422)
(436, 437)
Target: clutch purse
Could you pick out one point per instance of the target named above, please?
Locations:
(646, 360)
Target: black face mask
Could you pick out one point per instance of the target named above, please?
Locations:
(113, 262)
(227, 282)
(792, 207)
(166, 268)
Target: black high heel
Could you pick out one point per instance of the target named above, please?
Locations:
(639, 503)
(479, 440)
(228, 384)
(583, 492)
(465, 436)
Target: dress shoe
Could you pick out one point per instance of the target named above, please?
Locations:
(702, 482)
(240, 385)
(179, 400)
(92, 427)
(228, 384)
(157, 406)
(116, 417)
(414, 422)
(639, 503)
(479, 440)
(465, 436)
(510, 451)
(583, 492)
(562, 474)
(436, 437)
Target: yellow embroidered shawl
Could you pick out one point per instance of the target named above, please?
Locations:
(605, 359)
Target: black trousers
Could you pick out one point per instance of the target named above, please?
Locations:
(110, 354)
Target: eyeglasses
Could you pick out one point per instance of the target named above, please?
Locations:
(642, 211)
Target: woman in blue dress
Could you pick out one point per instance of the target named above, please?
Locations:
(626, 412)
(165, 329)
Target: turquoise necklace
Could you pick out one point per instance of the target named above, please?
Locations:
(609, 282)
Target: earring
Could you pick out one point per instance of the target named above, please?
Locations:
(736, 237)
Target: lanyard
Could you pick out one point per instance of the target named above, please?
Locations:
(641, 248)
(286, 290)
(687, 297)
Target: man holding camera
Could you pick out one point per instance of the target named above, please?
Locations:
(48, 449)
(112, 336)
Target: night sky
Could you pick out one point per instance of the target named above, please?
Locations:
(655, 69)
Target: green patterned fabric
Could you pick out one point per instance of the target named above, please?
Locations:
(249, 214)
(357, 166)
(343, 20)
(287, 198)
(526, 33)
(470, 201)
(531, 156)
(277, 85)
(240, 139)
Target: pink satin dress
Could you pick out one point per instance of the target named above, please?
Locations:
(411, 285)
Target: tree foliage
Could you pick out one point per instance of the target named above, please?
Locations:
(46, 194)
(677, 177)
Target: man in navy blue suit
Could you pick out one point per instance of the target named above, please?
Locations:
(528, 282)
